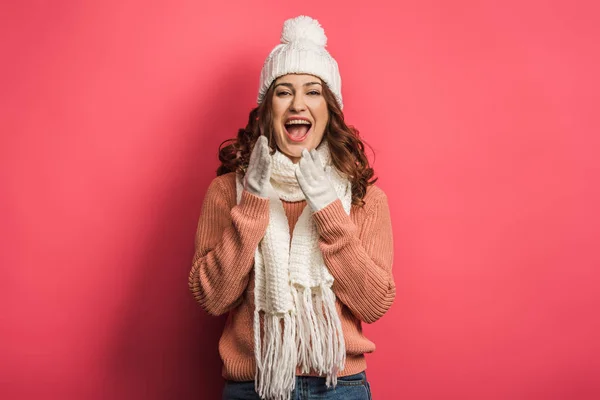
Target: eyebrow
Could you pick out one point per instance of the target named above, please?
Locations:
(292, 86)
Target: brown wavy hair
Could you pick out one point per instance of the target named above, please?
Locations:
(347, 149)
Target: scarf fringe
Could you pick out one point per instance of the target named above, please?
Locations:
(274, 378)
(311, 338)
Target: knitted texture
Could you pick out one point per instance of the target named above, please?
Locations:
(357, 249)
(301, 51)
(293, 285)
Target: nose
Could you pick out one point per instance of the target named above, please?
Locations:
(297, 104)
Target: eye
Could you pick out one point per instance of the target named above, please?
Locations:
(282, 93)
(314, 92)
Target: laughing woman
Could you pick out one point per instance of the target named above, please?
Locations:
(294, 240)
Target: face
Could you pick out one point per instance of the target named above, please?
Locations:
(300, 114)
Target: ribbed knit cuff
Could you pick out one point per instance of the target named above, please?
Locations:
(254, 206)
(331, 221)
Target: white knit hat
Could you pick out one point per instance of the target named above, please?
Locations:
(301, 51)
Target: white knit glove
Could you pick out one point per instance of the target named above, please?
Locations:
(258, 174)
(313, 181)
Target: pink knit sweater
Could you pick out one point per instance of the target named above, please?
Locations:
(357, 249)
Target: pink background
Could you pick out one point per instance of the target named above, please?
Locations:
(484, 119)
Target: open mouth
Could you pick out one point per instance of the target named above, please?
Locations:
(297, 129)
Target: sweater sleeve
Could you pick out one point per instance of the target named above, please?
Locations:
(359, 258)
(226, 240)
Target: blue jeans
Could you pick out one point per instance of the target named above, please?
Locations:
(352, 387)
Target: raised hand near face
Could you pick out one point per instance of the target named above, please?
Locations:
(258, 174)
(313, 181)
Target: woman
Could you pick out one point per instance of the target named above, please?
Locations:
(294, 240)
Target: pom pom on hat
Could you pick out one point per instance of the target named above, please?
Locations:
(303, 28)
(301, 51)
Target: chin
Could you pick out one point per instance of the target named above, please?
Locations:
(293, 153)
(293, 149)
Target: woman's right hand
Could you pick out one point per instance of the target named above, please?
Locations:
(258, 174)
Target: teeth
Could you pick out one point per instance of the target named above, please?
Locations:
(297, 122)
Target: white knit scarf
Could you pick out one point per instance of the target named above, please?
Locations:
(293, 286)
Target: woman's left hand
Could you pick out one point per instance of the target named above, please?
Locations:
(313, 181)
